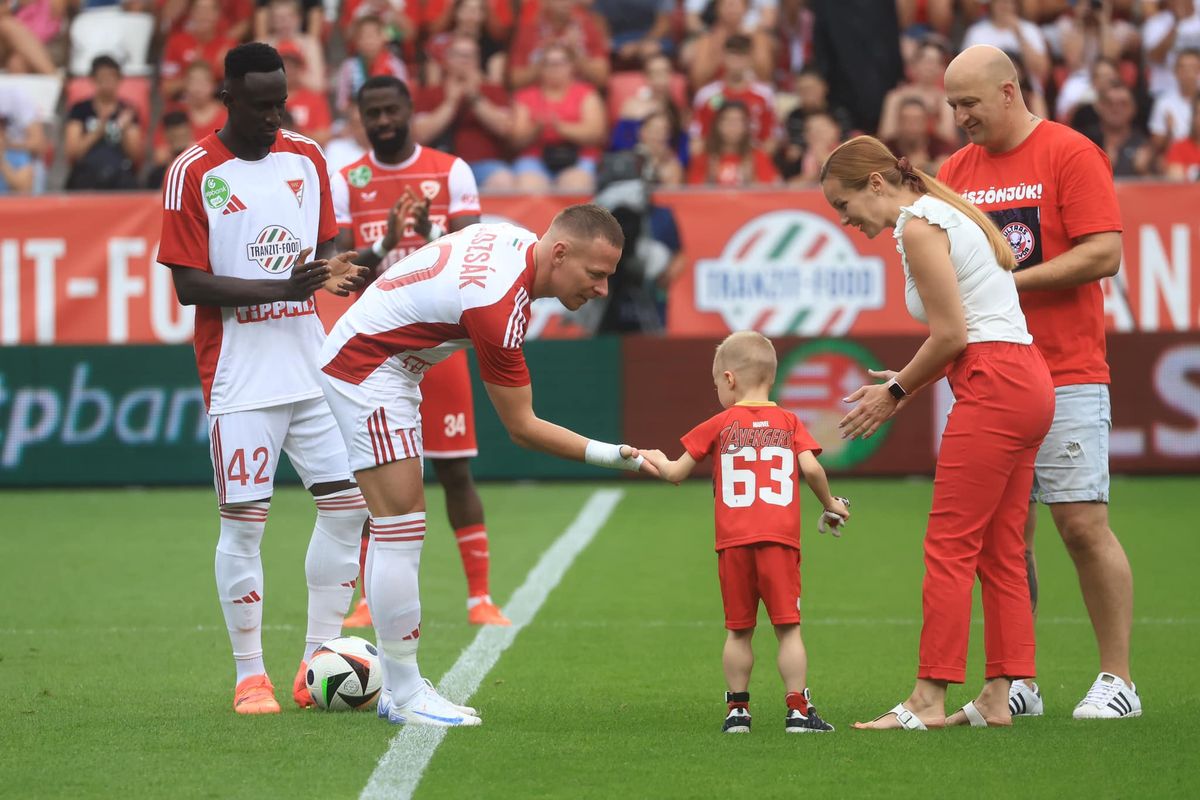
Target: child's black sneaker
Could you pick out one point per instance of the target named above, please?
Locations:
(737, 720)
(802, 715)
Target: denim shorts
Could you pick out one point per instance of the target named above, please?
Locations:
(1072, 463)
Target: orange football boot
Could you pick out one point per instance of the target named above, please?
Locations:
(255, 695)
(360, 617)
(487, 613)
(300, 691)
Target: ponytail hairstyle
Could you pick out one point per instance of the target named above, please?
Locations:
(854, 162)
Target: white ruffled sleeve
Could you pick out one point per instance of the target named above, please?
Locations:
(930, 209)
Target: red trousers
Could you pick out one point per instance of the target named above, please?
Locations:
(1004, 403)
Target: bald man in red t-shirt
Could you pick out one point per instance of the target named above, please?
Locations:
(1050, 191)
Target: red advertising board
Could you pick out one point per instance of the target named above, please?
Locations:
(668, 390)
(80, 269)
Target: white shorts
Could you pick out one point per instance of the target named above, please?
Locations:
(1072, 464)
(380, 418)
(245, 447)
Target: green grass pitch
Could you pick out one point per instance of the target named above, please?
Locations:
(118, 682)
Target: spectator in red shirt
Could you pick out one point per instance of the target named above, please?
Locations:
(205, 113)
(701, 57)
(283, 23)
(401, 23)
(234, 19)
(371, 57)
(467, 115)
(913, 140)
(566, 23)
(176, 132)
(737, 85)
(472, 19)
(729, 157)
(310, 18)
(1183, 156)
(559, 128)
(440, 16)
(200, 39)
(924, 83)
(309, 110)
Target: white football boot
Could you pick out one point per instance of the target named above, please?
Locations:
(428, 707)
(1109, 698)
(384, 708)
(1025, 699)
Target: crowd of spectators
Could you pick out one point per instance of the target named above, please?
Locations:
(534, 94)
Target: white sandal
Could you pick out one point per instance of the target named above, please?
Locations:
(907, 719)
(973, 716)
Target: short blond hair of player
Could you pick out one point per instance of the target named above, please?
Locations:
(756, 447)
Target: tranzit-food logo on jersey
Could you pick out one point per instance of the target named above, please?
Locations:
(812, 381)
(790, 272)
(275, 249)
(216, 192)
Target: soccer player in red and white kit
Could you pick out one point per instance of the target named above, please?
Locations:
(391, 202)
(756, 447)
(1050, 191)
(473, 287)
(242, 209)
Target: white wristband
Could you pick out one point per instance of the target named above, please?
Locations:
(435, 232)
(603, 454)
(378, 249)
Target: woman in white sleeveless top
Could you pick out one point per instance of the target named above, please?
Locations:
(958, 279)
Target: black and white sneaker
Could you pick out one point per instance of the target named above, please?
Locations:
(1025, 699)
(737, 720)
(1109, 698)
(795, 722)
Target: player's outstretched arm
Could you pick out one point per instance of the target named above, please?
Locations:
(196, 287)
(672, 471)
(514, 406)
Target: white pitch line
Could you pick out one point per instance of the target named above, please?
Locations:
(401, 767)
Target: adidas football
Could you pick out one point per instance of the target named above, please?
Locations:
(344, 674)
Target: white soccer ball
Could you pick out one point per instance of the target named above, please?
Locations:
(344, 674)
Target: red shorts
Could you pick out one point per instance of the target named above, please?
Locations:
(766, 571)
(447, 412)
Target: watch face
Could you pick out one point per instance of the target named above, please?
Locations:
(897, 390)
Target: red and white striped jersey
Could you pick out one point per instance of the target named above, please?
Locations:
(365, 191)
(473, 286)
(250, 220)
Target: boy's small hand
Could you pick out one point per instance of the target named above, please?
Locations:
(645, 465)
(835, 516)
(659, 460)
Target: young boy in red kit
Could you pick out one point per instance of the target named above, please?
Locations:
(756, 447)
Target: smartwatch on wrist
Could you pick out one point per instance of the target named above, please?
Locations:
(896, 390)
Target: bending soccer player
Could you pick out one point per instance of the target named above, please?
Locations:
(472, 287)
(390, 203)
(756, 447)
(242, 209)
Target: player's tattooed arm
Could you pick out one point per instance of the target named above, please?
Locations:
(196, 287)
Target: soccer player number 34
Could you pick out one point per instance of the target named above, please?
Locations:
(739, 486)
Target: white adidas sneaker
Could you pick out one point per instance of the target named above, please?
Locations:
(1025, 699)
(428, 707)
(1109, 698)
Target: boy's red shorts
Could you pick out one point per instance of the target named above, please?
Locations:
(765, 571)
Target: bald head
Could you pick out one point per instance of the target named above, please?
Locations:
(981, 87)
(982, 62)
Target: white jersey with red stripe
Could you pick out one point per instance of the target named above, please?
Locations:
(471, 287)
(365, 191)
(250, 220)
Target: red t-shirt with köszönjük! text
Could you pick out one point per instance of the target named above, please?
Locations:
(1045, 193)
(756, 488)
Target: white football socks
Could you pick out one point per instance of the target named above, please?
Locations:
(331, 565)
(394, 561)
(240, 582)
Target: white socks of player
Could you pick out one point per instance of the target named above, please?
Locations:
(394, 562)
(240, 582)
(331, 566)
